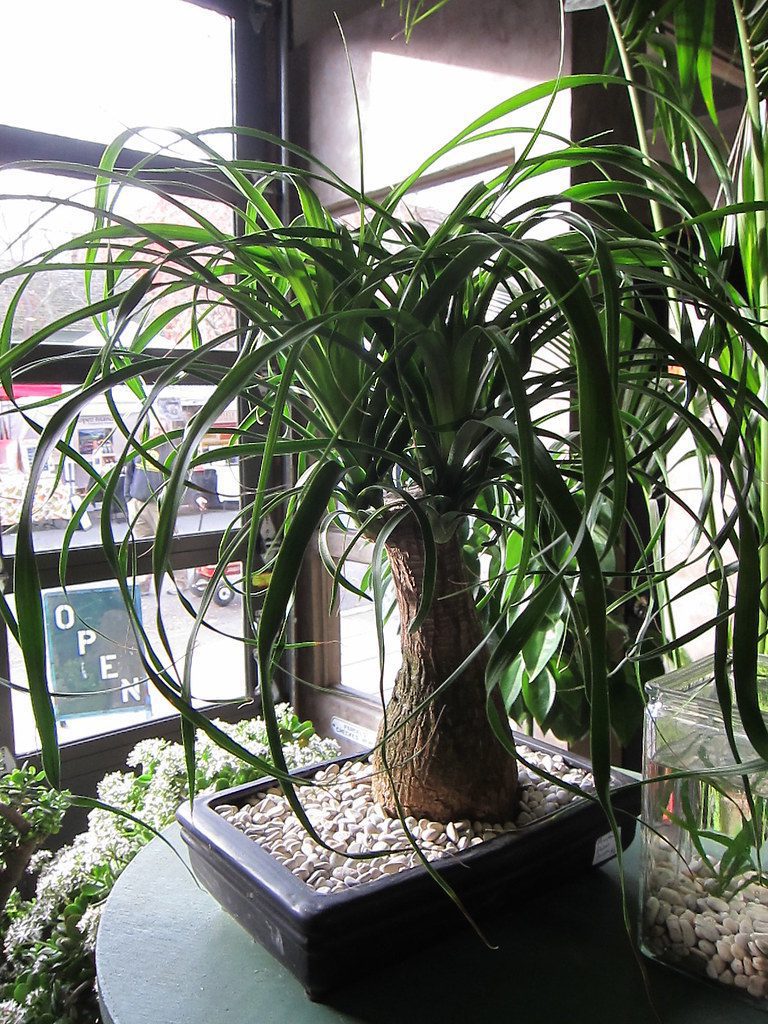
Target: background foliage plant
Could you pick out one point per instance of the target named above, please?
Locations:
(546, 685)
(47, 973)
(30, 812)
(668, 52)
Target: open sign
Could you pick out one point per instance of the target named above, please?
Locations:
(94, 657)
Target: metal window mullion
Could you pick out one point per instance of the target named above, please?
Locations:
(72, 363)
(88, 565)
(257, 68)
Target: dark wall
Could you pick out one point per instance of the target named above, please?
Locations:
(414, 95)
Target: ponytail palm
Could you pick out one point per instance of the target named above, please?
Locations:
(411, 377)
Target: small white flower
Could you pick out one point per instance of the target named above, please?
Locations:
(11, 1012)
(38, 860)
(89, 924)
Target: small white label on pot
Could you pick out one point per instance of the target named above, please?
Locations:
(352, 731)
(605, 848)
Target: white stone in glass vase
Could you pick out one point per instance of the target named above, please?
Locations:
(704, 887)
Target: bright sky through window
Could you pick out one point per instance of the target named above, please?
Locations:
(89, 68)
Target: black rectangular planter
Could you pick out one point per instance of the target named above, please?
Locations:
(326, 938)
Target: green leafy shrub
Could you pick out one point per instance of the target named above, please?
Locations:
(48, 972)
(30, 812)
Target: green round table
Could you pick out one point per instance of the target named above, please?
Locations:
(167, 954)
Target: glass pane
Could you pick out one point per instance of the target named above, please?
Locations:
(94, 655)
(687, 551)
(89, 69)
(31, 226)
(359, 646)
(209, 503)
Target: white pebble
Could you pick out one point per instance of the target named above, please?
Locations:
(724, 948)
(342, 813)
(687, 932)
(756, 987)
(706, 928)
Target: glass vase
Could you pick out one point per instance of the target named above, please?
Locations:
(704, 862)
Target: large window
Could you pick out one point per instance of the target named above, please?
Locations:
(74, 77)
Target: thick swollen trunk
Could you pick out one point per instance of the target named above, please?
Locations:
(445, 761)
